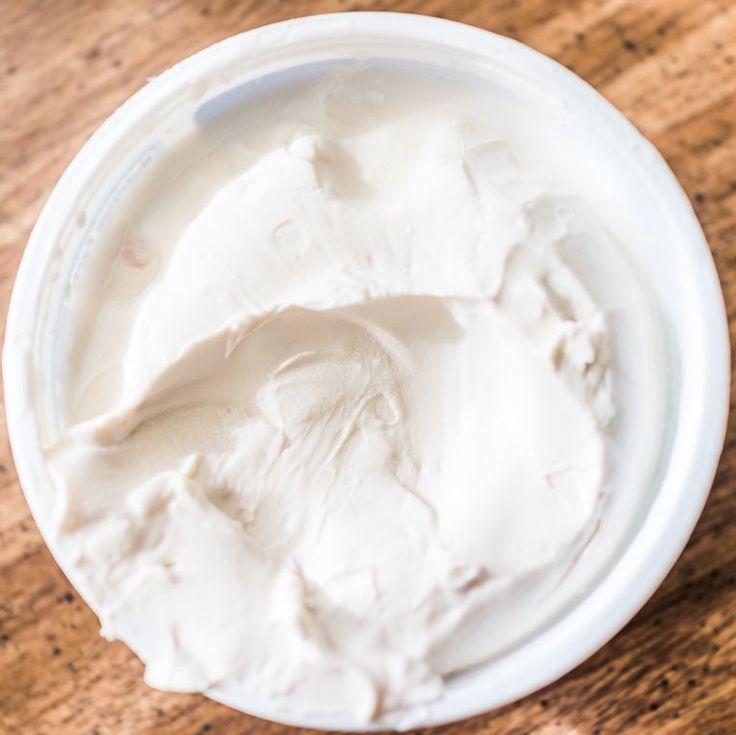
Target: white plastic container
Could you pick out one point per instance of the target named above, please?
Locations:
(676, 263)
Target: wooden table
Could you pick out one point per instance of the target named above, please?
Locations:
(670, 65)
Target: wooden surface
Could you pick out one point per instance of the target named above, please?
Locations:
(670, 65)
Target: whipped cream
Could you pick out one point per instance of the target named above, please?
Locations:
(339, 416)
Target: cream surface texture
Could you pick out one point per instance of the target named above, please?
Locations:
(340, 411)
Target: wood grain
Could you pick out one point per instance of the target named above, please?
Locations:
(670, 65)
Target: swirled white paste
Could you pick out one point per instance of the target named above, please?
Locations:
(360, 410)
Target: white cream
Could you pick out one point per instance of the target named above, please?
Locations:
(340, 414)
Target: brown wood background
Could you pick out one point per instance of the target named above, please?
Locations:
(670, 65)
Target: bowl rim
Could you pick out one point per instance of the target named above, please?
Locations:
(669, 521)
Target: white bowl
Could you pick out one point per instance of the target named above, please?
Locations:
(677, 263)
